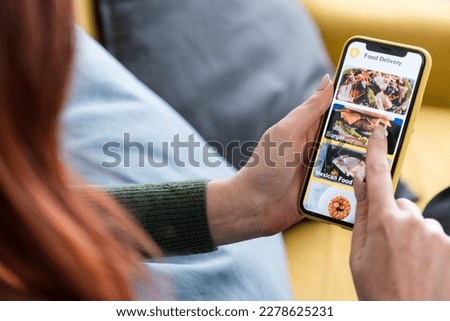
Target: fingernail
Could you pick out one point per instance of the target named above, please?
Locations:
(323, 84)
(379, 132)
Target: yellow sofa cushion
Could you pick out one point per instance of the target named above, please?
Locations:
(416, 22)
(85, 14)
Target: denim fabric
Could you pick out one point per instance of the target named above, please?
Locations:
(232, 68)
(107, 103)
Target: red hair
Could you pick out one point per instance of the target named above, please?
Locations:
(55, 243)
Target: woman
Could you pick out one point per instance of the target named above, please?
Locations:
(61, 243)
(57, 242)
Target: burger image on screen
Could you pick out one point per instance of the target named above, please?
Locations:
(356, 126)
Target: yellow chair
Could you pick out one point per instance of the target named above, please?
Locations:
(318, 253)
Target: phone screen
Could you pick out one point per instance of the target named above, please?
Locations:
(375, 84)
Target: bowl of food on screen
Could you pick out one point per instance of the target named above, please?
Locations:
(375, 89)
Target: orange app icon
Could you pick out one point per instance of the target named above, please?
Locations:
(354, 52)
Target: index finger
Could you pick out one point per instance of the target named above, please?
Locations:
(378, 177)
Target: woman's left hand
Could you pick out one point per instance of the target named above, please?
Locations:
(262, 198)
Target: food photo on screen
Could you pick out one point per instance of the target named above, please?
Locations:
(331, 201)
(339, 165)
(354, 126)
(375, 89)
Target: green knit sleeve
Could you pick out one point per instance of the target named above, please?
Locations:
(174, 214)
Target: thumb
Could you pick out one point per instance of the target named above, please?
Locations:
(308, 113)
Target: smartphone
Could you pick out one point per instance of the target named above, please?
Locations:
(377, 82)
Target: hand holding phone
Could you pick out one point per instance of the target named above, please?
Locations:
(378, 83)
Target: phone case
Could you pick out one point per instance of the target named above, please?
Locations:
(410, 128)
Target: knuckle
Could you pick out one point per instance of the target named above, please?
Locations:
(404, 202)
(411, 222)
(407, 206)
(377, 168)
(386, 224)
(434, 227)
(431, 222)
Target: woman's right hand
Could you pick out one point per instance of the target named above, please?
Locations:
(396, 254)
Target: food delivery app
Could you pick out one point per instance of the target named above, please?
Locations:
(373, 88)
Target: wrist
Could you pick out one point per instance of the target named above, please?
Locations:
(230, 211)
